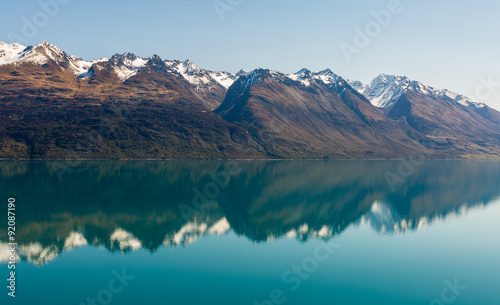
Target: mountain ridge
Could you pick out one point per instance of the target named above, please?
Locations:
(176, 106)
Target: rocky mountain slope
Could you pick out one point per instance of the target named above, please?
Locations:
(56, 105)
(440, 119)
(311, 115)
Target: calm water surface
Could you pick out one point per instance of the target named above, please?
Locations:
(253, 232)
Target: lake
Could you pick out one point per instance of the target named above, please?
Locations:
(253, 232)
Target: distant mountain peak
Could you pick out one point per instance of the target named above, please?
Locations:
(241, 72)
(303, 71)
(385, 90)
(326, 72)
(9, 53)
(306, 77)
(303, 76)
(127, 64)
(201, 77)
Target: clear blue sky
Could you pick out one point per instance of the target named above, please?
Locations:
(446, 44)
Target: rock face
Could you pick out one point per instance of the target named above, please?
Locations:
(311, 116)
(122, 107)
(444, 121)
(55, 105)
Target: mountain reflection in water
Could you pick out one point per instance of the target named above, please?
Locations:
(128, 205)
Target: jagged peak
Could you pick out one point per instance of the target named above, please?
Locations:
(306, 77)
(45, 44)
(155, 57)
(127, 55)
(202, 77)
(303, 71)
(389, 78)
(127, 58)
(386, 89)
(326, 71)
(241, 72)
(261, 73)
(54, 50)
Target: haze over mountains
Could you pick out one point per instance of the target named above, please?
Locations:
(56, 105)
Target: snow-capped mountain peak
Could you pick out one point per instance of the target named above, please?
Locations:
(41, 54)
(327, 77)
(9, 53)
(385, 90)
(127, 64)
(304, 72)
(201, 77)
(306, 77)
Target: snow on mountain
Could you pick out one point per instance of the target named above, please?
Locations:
(198, 76)
(357, 85)
(327, 77)
(10, 53)
(306, 77)
(15, 53)
(40, 54)
(225, 79)
(461, 99)
(127, 65)
(385, 90)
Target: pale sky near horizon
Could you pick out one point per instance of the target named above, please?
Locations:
(452, 44)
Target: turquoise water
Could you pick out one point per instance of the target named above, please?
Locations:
(253, 232)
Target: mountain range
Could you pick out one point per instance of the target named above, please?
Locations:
(56, 105)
